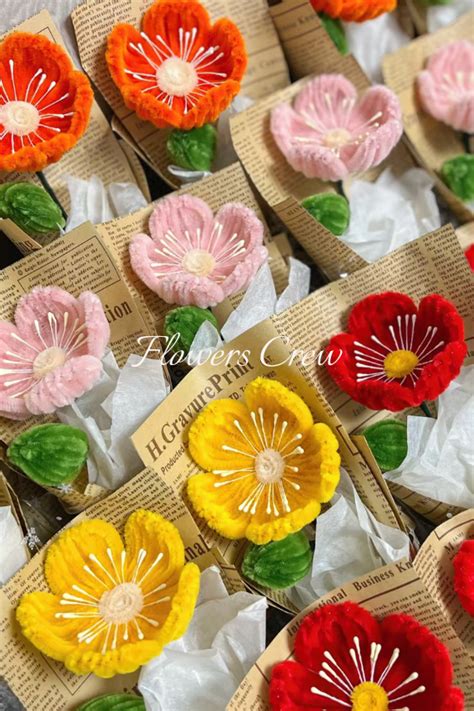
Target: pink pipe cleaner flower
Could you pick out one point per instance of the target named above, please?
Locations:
(194, 258)
(52, 354)
(330, 133)
(446, 86)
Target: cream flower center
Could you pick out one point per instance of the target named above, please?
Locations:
(176, 77)
(337, 138)
(48, 360)
(19, 117)
(198, 262)
(121, 604)
(269, 466)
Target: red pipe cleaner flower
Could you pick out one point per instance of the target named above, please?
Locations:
(348, 660)
(396, 355)
(464, 575)
(469, 253)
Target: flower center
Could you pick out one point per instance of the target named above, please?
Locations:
(369, 697)
(47, 361)
(176, 77)
(198, 262)
(399, 364)
(337, 138)
(121, 604)
(19, 117)
(269, 466)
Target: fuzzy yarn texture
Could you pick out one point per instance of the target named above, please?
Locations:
(396, 355)
(341, 639)
(470, 256)
(52, 353)
(464, 576)
(330, 133)
(446, 86)
(181, 70)
(119, 634)
(44, 106)
(264, 475)
(354, 10)
(194, 258)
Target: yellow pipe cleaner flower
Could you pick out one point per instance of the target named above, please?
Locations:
(268, 466)
(112, 608)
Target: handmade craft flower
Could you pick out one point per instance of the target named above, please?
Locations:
(470, 256)
(464, 575)
(268, 466)
(44, 102)
(397, 355)
(194, 258)
(330, 133)
(354, 10)
(345, 658)
(179, 70)
(52, 354)
(446, 86)
(111, 607)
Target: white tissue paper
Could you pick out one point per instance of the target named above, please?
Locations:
(206, 341)
(13, 554)
(258, 304)
(92, 202)
(112, 411)
(439, 16)
(440, 459)
(298, 285)
(390, 212)
(350, 542)
(370, 41)
(202, 670)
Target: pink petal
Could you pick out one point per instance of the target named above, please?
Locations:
(325, 98)
(13, 408)
(98, 329)
(180, 213)
(62, 386)
(16, 364)
(189, 290)
(244, 272)
(36, 305)
(236, 219)
(141, 258)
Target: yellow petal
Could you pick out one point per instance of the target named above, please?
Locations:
(36, 615)
(319, 465)
(219, 506)
(67, 556)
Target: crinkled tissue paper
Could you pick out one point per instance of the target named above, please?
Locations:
(112, 411)
(13, 554)
(440, 460)
(349, 542)
(370, 41)
(438, 16)
(202, 670)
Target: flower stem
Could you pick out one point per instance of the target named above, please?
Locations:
(42, 178)
(426, 410)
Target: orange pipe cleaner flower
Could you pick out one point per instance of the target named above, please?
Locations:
(354, 10)
(179, 70)
(44, 103)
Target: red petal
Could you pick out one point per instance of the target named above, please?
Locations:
(290, 688)
(464, 575)
(374, 314)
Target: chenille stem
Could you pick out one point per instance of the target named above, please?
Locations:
(42, 178)
(426, 410)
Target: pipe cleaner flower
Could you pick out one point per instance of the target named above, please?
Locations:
(111, 607)
(464, 576)
(354, 10)
(396, 355)
(268, 466)
(446, 86)
(469, 253)
(330, 133)
(44, 103)
(179, 70)
(52, 354)
(194, 258)
(345, 658)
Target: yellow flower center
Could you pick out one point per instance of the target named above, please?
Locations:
(269, 466)
(199, 262)
(176, 77)
(337, 138)
(369, 696)
(47, 361)
(398, 364)
(121, 604)
(19, 117)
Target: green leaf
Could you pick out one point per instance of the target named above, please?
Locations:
(194, 149)
(330, 210)
(388, 442)
(458, 174)
(114, 702)
(186, 321)
(31, 208)
(336, 32)
(279, 564)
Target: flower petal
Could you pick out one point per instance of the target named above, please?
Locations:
(463, 564)
(36, 616)
(178, 214)
(98, 329)
(325, 98)
(376, 313)
(62, 386)
(16, 362)
(290, 688)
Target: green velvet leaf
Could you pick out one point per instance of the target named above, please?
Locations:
(336, 32)
(435, 2)
(330, 210)
(458, 174)
(114, 702)
(388, 442)
(31, 208)
(186, 321)
(194, 149)
(279, 564)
